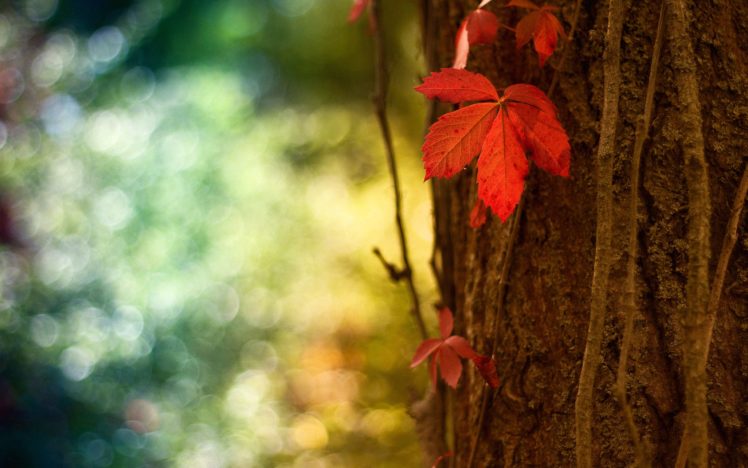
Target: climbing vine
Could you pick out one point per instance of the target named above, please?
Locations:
(499, 135)
(502, 129)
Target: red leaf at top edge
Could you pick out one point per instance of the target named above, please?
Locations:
(482, 26)
(546, 35)
(540, 25)
(357, 8)
(479, 27)
(526, 28)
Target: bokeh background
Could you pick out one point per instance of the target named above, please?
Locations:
(189, 194)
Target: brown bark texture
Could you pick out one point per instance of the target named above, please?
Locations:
(530, 419)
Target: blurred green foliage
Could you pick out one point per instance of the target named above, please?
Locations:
(189, 195)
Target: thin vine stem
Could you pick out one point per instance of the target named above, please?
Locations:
(380, 106)
(641, 450)
(728, 243)
(565, 52)
(583, 408)
(699, 214)
(503, 282)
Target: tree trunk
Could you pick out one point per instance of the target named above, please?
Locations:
(530, 419)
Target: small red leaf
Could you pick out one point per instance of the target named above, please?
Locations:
(424, 350)
(526, 28)
(461, 346)
(479, 27)
(478, 214)
(487, 368)
(450, 365)
(482, 27)
(445, 351)
(541, 25)
(502, 168)
(546, 35)
(455, 86)
(357, 8)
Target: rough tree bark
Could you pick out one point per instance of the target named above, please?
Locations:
(530, 420)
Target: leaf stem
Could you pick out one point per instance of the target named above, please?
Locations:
(699, 214)
(380, 106)
(728, 243)
(506, 264)
(429, 32)
(641, 450)
(583, 409)
(565, 52)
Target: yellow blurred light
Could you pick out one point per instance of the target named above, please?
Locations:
(338, 386)
(381, 421)
(246, 395)
(321, 356)
(308, 432)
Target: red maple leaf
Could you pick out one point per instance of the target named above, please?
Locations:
(522, 120)
(446, 351)
(479, 27)
(540, 25)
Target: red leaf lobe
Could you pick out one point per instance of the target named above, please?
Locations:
(456, 138)
(455, 86)
(502, 167)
